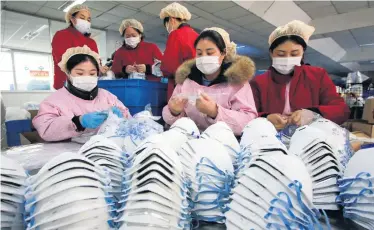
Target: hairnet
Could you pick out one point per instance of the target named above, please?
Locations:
(130, 23)
(230, 46)
(73, 10)
(297, 28)
(175, 10)
(74, 51)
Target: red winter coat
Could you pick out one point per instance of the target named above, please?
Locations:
(144, 53)
(179, 48)
(63, 40)
(311, 88)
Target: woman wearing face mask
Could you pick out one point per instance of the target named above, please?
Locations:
(80, 106)
(77, 34)
(135, 55)
(290, 90)
(219, 78)
(180, 43)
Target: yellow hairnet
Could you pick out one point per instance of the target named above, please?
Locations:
(297, 28)
(230, 46)
(175, 10)
(74, 51)
(130, 23)
(73, 10)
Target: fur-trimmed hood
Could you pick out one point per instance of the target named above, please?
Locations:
(240, 70)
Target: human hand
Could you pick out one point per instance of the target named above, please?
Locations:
(301, 117)
(295, 118)
(93, 120)
(104, 69)
(117, 111)
(207, 105)
(176, 105)
(278, 120)
(130, 69)
(141, 68)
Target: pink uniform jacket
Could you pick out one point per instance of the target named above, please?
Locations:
(232, 93)
(54, 119)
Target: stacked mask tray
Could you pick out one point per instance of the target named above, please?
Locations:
(14, 129)
(136, 94)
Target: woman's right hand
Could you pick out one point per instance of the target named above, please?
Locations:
(279, 121)
(176, 105)
(130, 69)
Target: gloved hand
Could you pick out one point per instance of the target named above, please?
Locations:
(117, 112)
(93, 120)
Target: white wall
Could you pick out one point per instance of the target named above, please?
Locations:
(18, 98)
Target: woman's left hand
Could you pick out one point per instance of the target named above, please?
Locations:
(301, 117)
(295, 118)
(104, 69)
(141, 68)
(207, 105)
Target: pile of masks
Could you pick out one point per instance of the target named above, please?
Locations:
(210, 171)
(13, 181)
(356, 189)
(128, 134)
(323, 162)
(259, 138)
(272, 195)
(155, 192)
(69, 192)
(109, 157)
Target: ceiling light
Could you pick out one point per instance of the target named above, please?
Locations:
(368, 44)
(239, 47)
(66, 7)
(33, 34)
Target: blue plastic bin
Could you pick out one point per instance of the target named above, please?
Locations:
(14, 129)
(136, 94)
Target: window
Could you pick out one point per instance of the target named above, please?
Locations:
(6, 71)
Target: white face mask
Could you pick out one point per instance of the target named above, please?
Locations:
(208, 64)
(83, 26)
(85, 83)
(286, 65)
(132, 42)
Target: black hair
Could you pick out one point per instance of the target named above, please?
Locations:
(283, 39)
(73, 15)
(167, 19)
(214, 37)
(79, 58)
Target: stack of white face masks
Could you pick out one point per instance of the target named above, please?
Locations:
(210, 170)
(259, 138)
(155, 191)
(357, 189)
(13, 188)
(109, 157)
(222, 133)
(271, 194)
(69, 192)
(323, 164)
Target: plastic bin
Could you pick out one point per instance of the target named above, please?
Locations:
(136, 94)
(14, 129)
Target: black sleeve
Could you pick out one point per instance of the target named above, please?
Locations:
(78, 124)
(316, 110)
(148, 69)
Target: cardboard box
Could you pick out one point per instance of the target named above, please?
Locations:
(363, 127)
(368, 114)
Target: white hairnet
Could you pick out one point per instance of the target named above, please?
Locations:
(74, 51)
(73, 10)
(297, 28)
(130, 23)
(175, 10)
(230, 46)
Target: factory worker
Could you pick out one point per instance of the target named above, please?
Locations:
(135, 55)
(77, 34)
(289, 86)
(180, 43)
(220, 80)
(80, 106)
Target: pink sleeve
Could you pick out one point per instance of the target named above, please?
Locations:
(51, 126)
(166, 114)
(243, 110)
(113, 100)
